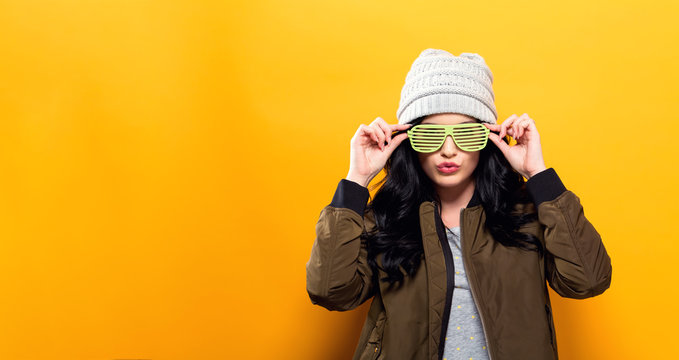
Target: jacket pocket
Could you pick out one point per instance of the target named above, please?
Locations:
(373, 348)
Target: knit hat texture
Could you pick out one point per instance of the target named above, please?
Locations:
(439, 82)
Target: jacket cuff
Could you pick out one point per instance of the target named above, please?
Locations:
(350, 195)
(545, 186)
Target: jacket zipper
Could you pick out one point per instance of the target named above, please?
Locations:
(483, 326)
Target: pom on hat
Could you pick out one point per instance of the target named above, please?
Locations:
(439, 82)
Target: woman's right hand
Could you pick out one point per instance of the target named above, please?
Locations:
(369, 154)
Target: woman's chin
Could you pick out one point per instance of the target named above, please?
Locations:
(451, 181)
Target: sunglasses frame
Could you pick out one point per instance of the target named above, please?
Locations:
(449, 130)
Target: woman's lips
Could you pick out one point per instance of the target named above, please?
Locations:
(448, 169)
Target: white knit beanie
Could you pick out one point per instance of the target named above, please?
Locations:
(439, 82)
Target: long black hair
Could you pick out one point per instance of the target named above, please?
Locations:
(397, 236)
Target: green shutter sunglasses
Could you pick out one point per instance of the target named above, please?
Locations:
(427, 138)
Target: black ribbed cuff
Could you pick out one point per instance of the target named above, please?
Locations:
(350, 195)
(545, 186)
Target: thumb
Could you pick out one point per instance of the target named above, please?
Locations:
(503, 146)
(396, 141)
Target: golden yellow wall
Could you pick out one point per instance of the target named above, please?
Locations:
(163, 163)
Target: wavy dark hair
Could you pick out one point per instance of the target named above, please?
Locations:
(397, 235)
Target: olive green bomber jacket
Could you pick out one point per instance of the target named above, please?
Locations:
(509, 285)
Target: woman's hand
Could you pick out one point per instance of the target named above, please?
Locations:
(526, 155)
(369, 153)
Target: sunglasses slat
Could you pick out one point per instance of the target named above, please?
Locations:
(469, 137)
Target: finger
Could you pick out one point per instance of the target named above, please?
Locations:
(396, 140)
(400, 126)
(529, 125)
(493, 127)
(380, 134)
(524, 125)
(505, 124)
(503, 146)
(399, 129)
(521, 124)
(516, 125)
(516, 128)
(385, 128)
(380, 124)
(370, 132)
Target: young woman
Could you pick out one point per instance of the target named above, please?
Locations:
(456, 249)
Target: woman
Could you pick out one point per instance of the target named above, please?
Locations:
(456, 248)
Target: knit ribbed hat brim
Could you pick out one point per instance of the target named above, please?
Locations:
(447, 102)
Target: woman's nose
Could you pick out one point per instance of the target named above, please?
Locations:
(449, 148)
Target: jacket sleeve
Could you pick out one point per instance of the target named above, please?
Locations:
(576, 262)
(338, 276)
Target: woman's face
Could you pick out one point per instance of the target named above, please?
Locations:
(434, 164)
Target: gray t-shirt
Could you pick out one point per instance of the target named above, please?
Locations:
(464, 337)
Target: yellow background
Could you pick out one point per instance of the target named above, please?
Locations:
(163, 163)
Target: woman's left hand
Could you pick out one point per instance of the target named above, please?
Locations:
(526, 155)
